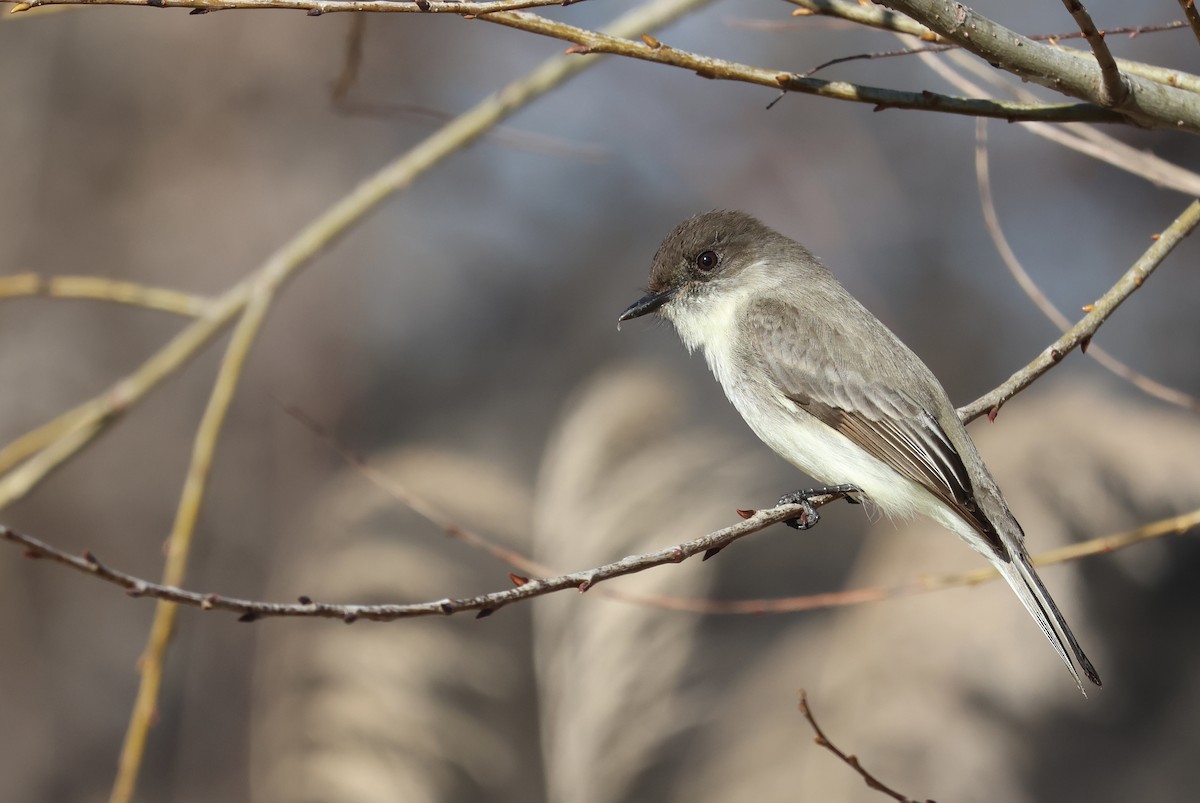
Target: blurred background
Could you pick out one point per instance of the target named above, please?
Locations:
(464, 339)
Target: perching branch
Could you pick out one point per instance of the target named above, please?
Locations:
(486, 604)
(1081, 333)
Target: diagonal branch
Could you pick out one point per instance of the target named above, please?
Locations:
(1193, 16)
(150, 667)
(1082, 332)
(850, 760)
(1113, 90)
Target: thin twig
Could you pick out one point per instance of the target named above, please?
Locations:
(1104, 545)
(992, 220)
(850, 760)
(317, 7)
(486, 604)
(98, 288)
(150, 666)
(1193, 16)
(1083, 331)
(1113, 89)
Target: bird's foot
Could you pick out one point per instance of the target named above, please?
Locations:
(809, 516)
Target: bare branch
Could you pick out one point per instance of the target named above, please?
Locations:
(317, 7)
(591, 42)
(1193, 16)
(1083, 331)
(1148, 103)
(850, 760)
(1113, 90)
(252, 610)
(99, 288)
(150, 667)
(484, 605)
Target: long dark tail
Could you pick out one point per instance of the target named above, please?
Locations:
(1028, 586)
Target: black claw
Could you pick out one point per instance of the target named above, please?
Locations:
(809, 516)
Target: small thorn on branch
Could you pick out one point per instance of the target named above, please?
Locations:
(651, 42)
(584, 586)
(446, 608)
(712, 553)
(746, 513)
(90, 558)
(485, 613)
(304, 600)
(208, 602)
(313, 12)
(1083, 344)
(577, 50)
(992, 413)
(248, 616)
(195, 12)
(350, 617)
(517, 579)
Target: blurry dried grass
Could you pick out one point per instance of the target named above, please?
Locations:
(954, 695)
(453, 709)
(577, 698)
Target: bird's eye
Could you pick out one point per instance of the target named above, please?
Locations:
(707, 261)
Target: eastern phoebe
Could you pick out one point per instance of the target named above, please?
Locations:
(827, 386)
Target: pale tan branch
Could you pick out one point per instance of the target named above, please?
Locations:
(150, 667)
(315, 7)
(98, 288)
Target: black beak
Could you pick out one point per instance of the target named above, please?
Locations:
(646, 305)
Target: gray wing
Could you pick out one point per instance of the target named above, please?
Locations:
(856, 385)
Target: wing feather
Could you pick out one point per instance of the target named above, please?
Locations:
(875, 414)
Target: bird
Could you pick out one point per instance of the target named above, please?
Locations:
(833, 391)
